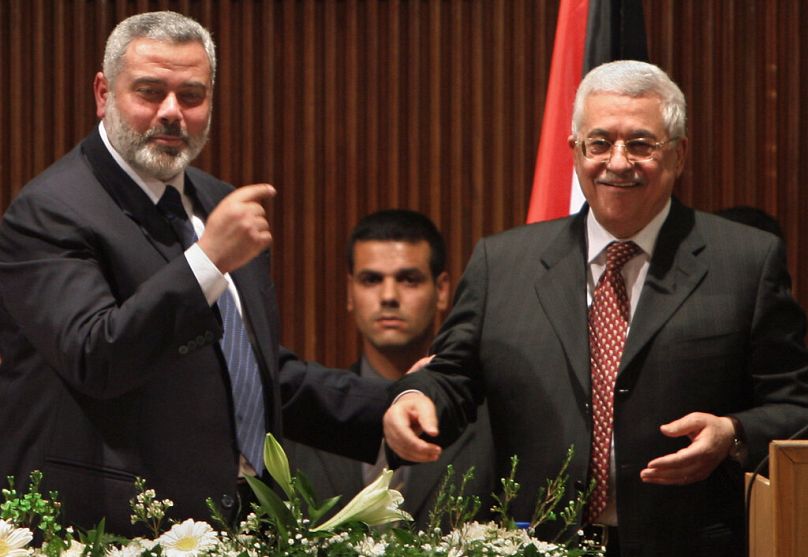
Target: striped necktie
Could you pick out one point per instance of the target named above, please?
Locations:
(242, 366)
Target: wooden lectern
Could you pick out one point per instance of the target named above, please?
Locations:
(778, 511)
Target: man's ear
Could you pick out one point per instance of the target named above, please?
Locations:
(101, 92)
(442, 284)
(349, 292)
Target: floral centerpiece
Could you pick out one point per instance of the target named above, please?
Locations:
(371, 524)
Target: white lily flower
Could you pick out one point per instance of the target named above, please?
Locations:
(374, 505)
(277, 464)
(13, 540)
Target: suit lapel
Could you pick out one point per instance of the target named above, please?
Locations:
(564, 263)
(674, 273)
(132, 200)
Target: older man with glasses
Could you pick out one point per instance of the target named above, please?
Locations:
(662, 342)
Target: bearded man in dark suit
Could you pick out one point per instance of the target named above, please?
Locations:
(662, 342)
(138, 326)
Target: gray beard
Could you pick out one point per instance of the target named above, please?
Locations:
(159, 161)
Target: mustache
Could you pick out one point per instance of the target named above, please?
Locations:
(171, 130)
(608, 176)
(614, 179)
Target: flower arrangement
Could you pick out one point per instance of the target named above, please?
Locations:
(372, 524)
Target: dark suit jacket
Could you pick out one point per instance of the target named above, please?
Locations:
(110, 361)
(332, 475)
(715, 330)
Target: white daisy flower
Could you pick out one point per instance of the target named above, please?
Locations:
(188, 539)
(13, 540)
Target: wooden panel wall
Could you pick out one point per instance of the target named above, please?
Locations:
(354, 105)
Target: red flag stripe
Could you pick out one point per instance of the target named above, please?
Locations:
(552, 181)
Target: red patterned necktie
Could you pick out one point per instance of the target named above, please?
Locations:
(608, 323)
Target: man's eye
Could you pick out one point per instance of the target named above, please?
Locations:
(192, 99)
(640, 147)
(598, 146)
(150, 93)
(369, 280)
(411, 279)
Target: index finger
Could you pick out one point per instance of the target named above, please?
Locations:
(255, 192)
(401, 432)
(411, 447)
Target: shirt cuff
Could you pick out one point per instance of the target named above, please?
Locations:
(408, 391)
(212, 282)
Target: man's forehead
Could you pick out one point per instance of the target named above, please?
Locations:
(391, 253)
(603, 110)
(145, 56)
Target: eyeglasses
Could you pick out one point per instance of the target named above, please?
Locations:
(636, 150)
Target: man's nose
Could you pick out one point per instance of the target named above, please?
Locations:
(389, 292)
(169, 109)
(618, 160)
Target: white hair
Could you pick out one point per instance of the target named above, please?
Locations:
(634, 79)
(164, 26)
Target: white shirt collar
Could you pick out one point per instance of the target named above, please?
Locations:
(153, 187)
(598, 237)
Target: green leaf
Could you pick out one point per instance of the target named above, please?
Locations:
(404, 537)
(96, 541)
(316, 513)
(306, 490)
(273, 506)
(303, 487)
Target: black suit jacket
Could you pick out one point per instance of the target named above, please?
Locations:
(331, 474)
(715, 330)
(110, 360)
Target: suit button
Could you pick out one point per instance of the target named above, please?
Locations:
(200, 340)
(183, 350)
(227, 501)
(208, 336)
(192, 345)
